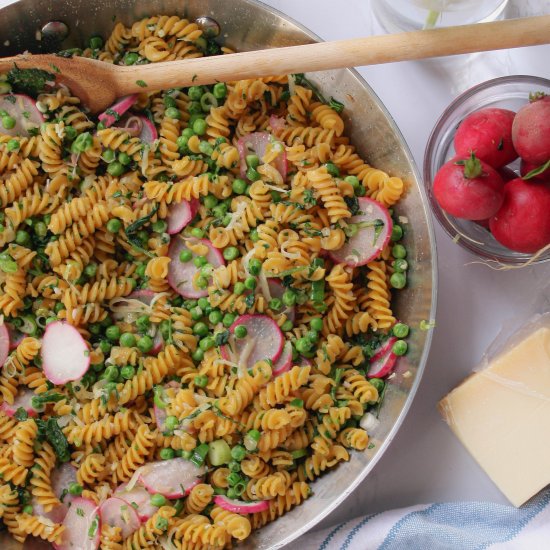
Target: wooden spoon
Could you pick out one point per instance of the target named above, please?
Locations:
(98, 84)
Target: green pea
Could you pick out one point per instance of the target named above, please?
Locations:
(140, 270)
(396, 233)
(115, 169)
(332, 169)
(400, 265)
(171, 422)
(145, 344)
(228, 319)
(58, 307)
(70, 133)
(198, 355)
(75, 489)
(109, 155)
(289, 298)
(127, 340)
(199, 127)
(142, 235)
(312, 336)
(200, 329)
(239, 288)
(187, 133)
(201, 282)
(28, 509)
(316, 324)
(111, 373)
(219, 90)
(130, 58)
(169, 101)
(287, 326)
(210, 201)
(182, 142)
(8, 122)
(226, 220)
(275, 304)
(353, 180)
(252, 174)
(96, 42)
(13, 145)
(250, 283)
(203, 303)
(186, 255)
(220, 210)
(160, 226)
(254, 236)
(215, 316)
(399, 251)
(231, 493)
(124, 158)
(104, 346)
(128, 372)
(238, 452)
(40, 229)
(197, 232)
(196, 313)
(400, 347)
(303, 345)
(398, 280)
(167, 453)
(22, 237)
(231, 253)
(252, 161)
(401, 330)
(195, 93)
(200, 261)
(239, 186)
(201, 380)
(114, 225)
(158, 500)
(94, 328)
(207, 343)
(240, 331)
(204, 147)
(173, 112)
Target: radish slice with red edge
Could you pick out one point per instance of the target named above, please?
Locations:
(256, 143)
(181, 274)
(160, 412)
(139, 499)
(82, 526)
(148, 132)
(276, 122)
(4, 343)
(374, 226)
(284, 362)
(180, 214)
(16, 337)
(22, 109)
(303, 362)
(383, 364)
(61, 479)
(172, 478)
(23, 401)
(117, 512)
(114, 112)
(239, 506)
(264, 340)
(56, 514)
(383, 348)
(65, 354)
(276, 289)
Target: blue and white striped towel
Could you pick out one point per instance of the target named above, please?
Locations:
(448, 526)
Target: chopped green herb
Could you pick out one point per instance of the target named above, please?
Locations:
(141, 83)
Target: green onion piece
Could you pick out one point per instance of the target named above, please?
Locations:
(298, 453)
(318, 291)
(199, 454)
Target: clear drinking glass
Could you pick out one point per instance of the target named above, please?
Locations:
(413, 15)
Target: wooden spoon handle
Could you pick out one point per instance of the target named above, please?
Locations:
(512, 33)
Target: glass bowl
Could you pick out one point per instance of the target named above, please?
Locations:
(508, 92)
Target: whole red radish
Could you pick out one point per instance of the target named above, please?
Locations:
(523, 221)
(538, 173)
(468, 188)
(487, 133)
(531, 130)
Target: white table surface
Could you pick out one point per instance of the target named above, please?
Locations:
(425, 462)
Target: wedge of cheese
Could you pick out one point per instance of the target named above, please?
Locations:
(502, 416)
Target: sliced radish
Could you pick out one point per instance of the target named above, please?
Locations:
(65, 354)
(23, 109)
(172, 478)
(82, 526)
(181, 274)
(284, 362)
(56, 514)
(383, 348)
(276, 122)
(16, 337)
(256, 143)
(239, 506)
(304, 362)
(116, 512)
(276, 289)
(4, 343)
(160, 413)
(139, 499)
(383, 365)
(114, 113)
(148, 132)
(61, 478)
(23, 400)
(264, 340)
(158, 342)
(370, 239)
(180, 214)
